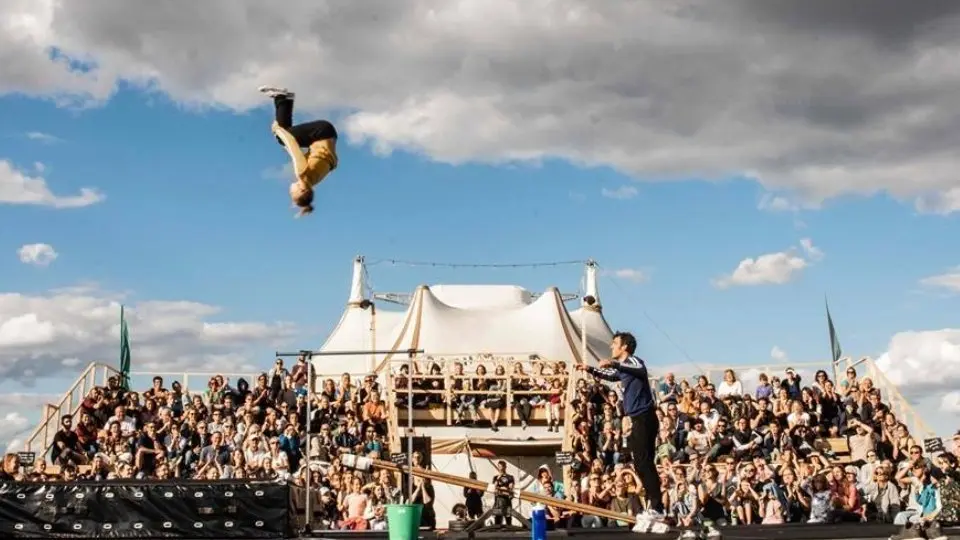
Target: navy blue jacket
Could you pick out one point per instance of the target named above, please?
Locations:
(632, 374)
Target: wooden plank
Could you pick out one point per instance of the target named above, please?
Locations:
(839, 445)
(522, 495)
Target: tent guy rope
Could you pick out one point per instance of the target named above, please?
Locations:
(402, 262)
(651, 320)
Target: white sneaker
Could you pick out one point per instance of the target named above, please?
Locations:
(660, 527)
(275, 91)
(687, 535)
(643, 524)
(652, 515)
(713, 532)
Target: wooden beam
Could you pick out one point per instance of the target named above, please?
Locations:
(527, 496)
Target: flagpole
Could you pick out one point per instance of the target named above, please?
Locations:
(833, 338)
(120, 358)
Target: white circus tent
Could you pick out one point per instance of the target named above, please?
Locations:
(468, 321)
(465, 320)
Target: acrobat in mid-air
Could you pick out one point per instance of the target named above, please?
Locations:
(319, 137)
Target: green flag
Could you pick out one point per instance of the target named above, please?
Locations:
(835, 350)
(124, 352)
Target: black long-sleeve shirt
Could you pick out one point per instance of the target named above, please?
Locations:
(632, 375)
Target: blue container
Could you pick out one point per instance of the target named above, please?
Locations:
(538, 522)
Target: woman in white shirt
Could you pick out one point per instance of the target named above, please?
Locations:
(730, 385)
(279, 459)
(797, 416)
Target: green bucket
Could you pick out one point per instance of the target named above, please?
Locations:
(403, 521)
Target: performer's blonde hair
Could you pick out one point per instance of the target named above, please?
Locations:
(304, 201)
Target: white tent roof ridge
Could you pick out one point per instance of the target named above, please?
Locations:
(450, 324)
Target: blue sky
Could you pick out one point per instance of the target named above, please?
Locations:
(470, 141)
(193, 210)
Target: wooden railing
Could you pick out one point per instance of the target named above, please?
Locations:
(508, 393)
(899, 405)
(41, 439)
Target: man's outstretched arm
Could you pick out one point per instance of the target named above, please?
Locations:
(606, 373)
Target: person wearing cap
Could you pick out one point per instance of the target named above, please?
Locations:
(792, 383)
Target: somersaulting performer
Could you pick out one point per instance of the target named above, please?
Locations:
(319, 137)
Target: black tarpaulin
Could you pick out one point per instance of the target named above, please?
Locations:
(122, 509)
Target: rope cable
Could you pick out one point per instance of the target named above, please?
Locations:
(403, 262)
(654, 323)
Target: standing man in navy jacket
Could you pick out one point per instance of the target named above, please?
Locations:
(639, 405)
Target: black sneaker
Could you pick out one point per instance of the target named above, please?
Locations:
(934, 532)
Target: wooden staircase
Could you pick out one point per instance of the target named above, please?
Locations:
(41, 439)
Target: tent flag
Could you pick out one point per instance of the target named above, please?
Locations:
(835, 350)
(124, 352)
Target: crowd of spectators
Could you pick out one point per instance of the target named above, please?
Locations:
(479, 398)
(788, 452)
(252, 430)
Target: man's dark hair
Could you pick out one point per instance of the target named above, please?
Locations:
(627, 340)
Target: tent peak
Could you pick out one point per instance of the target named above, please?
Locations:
(591, 295)
(358, 289)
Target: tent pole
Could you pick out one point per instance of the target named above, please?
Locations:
(410, 427)
(307, 510)
(373, 337)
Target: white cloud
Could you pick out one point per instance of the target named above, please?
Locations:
(923, 360)
(280, 172)
(37, 254)
(950, 403)
(771, 268)
(45, 138)
(778, 354)
(622, 192)
(813, 252)
(27, 401)
(14, 445)
(777, 203)
(54, 332)
(19, 414)
(796, 96)
(943, 203)
(635, 275)
(949, 280)
(12, 426)
(18, 187)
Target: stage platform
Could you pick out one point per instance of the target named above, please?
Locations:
(842, 531)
